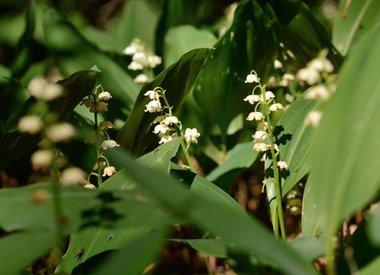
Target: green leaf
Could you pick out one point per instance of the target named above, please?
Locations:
(179, 40)
(212, 247)
(238, 158)
(345, 160)
(177, 80)
(371, 269)
(96, 240)
(14, 144)
(19, 250)
(245, 233)
(135, 256)
(73, 53)
(295, 141)
(353, 20)
(80, 206)
(310, 247)
(206, 189)
(133, 25)
(248, 44)
(301, 32)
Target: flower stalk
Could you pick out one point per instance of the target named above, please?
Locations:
(265, 141)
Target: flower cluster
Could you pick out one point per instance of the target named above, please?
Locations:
(318, 79)
(318, 74)
(263, 138)
(167, 125)
(97, 103)
(142, 60)
(52, 131)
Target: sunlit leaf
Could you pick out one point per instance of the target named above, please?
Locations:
(241, 230)
(93, 241)
(353, 20)
(295, 141)
(238, 158)
(345, 175)
(136, 255)
(179, 40)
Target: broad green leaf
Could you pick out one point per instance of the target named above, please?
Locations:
(310, 247)
(248, 44)
(14, 144)
(353, 20)
(73, 53)
(245, 233)
(139, 19)
(345, 160)
(135, 256)
(370, 269)
(96, 240)
(295, 141)
(179, 40)
(301, 32)
(18, 250)
(212, 247)
(238, 158)
(81, 207)
(206, 189)
(177, 80)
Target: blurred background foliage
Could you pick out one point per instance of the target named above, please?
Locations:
(207, 48)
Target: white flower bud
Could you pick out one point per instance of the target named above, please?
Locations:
(41, 159)
(313, 118)
(260, 147)
(72, 176)
(109, 171)
(161, 128)
(191, 135)
(43, 90)
(153, 94)
(252, 78)
(252, 99)
(153, 106)
(277, 64)
(104, 96)
(308, 75)
(170, 120)
(141, 78)
(282, 165)
(255, 116)
(276, 106)
(31, 124)
(317, 92)
(60, 132)
(107, 144)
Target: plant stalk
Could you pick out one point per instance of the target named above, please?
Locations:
(275, 169)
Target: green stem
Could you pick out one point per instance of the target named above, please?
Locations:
(330, 262)
(97, 141)
(275, 169)
(187, 156)
(57, 200)
(183, 146)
